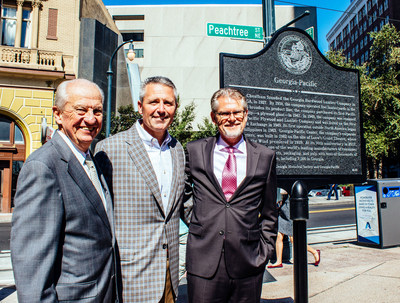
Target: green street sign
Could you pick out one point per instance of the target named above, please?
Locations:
(310, 31)
(235, 31)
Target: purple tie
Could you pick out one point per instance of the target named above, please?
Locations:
(229, 174)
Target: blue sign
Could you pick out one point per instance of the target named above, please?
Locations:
(391, 192)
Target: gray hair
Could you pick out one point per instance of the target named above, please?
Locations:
(62, 94)
(230, 93)
(157, 80)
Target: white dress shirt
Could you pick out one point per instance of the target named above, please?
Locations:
(81, 156)
(221, 156)
(160, 157)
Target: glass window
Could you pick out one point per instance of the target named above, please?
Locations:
(386, 4)
(26, 28)
(18, 136)
(380, 9)
(9, 25)
(5, 129)
(135, 36)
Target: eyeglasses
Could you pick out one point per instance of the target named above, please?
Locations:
(226, 115)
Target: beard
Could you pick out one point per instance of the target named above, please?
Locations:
(232, 133)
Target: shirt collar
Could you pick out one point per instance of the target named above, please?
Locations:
(80, 155)
(149, 139)
(240, 146)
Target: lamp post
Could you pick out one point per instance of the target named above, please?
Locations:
(131, 56)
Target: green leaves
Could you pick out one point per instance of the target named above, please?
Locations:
(380, 95)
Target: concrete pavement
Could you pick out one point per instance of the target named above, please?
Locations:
(347, 273)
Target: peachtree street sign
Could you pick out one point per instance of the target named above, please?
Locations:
(235, 31)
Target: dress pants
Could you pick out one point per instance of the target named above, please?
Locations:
(223, 289)
(168, 296)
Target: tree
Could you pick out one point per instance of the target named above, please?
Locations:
(380, 92)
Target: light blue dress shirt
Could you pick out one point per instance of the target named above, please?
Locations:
(160, 157)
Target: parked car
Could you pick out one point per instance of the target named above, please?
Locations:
(318, 192)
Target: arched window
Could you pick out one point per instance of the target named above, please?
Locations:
(12, 156)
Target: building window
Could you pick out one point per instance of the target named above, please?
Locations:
(369, 20)
(135, 36)
(380, 9)
(365, 40)
(386, 4)
(361, 43)
(374, 16)
(358, 61)
(387, 19)
(369, 4)
(366, 55)
(9, 26)
(353, 22)
(355, 35)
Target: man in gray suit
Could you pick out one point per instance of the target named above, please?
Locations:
(144, 166)
(233, 228)
(62, 241)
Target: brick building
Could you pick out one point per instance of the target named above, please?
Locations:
(44, 42)
(350, 32)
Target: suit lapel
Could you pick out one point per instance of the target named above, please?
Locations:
(208, 154)
(175, 172)
(78, 174)
(139, 156)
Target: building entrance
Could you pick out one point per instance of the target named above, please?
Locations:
(12, 156)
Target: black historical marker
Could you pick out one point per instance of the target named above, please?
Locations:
(303, 107)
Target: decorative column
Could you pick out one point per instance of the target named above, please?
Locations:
(17, 42)
(35, 22)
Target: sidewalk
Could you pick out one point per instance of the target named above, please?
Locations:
(347, 272)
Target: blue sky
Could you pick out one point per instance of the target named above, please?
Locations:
(328, 11)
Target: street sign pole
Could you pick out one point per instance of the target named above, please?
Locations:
(268, 8)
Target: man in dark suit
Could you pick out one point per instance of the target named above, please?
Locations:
(62, 240)
(233, 227)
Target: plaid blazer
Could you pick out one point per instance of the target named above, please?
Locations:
(144, 229)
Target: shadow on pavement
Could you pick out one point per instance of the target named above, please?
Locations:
(5, 292)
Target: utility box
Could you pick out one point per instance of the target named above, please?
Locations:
(378, 213)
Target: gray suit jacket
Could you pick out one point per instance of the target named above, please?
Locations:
(145, 230)
(245, 226)
(62, 243)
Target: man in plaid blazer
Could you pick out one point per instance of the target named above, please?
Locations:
(144, 167)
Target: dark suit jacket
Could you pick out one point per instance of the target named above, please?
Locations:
(245, 227)
(62, 243)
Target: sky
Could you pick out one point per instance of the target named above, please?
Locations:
(328, 11)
